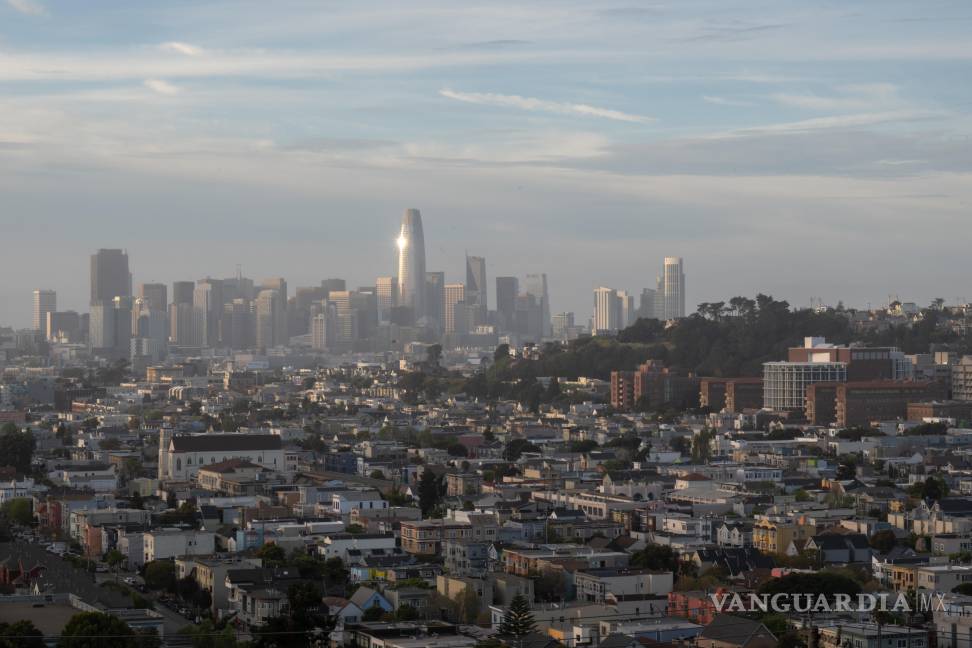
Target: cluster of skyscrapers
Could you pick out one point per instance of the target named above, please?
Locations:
(417, 305)
(615, 309)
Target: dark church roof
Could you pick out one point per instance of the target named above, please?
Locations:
(225, 442)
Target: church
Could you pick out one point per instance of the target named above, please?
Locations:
(182, 455)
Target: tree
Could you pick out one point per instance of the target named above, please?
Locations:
(406, 613)
(656, 558)
(207, 635)
(21, 634)
(17, 449)
(96, 630)
(374, 613)
(429, 492)
(19, 511)
(518, 620)
(933, 488)
(160, 575)
(883, 541)
(502, 352)
(517, 447)
(271, 554)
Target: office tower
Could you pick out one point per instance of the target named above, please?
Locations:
(435, 298)
(238, 287)
(323, 328)
(150, 328)
(110, 277)
(345, 320)
(328, 285)
(454, 296)
(182, 327)
(646, 304)
(673, 285)
(238, 325)
(536, 285)
(45, 301)
(299, 309)
(267, 307)
(561, 324)
(110, 327)
(101, 325)
(627, 309)
(207, 306)
(182, 291)
(280, 330)
(528, 320)
(364, 302)
(411, 264)
(156, 294)
(507, 289)
(63, 326)
(387, 289)
(476, 282)
(607, 311)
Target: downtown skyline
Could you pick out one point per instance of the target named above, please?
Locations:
(742, 138)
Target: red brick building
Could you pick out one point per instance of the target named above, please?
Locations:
(744, 394)
(859, 403)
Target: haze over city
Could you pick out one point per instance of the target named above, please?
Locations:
(801, 150)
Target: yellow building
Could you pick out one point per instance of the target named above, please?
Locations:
(775, 537)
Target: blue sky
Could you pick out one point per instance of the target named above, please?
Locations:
(796, 148)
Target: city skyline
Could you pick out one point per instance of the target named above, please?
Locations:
(741, 138)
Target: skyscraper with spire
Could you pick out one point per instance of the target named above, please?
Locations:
(411, 264)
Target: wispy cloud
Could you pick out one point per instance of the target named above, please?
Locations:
(724, 101)
(161, 87)
(181, 48)
(28, 7)
(869, 96)
(543, 105)
(838, 121)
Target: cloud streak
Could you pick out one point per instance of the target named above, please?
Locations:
(542, 105)
(28, 7)
(181, 48)
(161, 87)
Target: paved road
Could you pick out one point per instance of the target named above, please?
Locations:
(61, 576)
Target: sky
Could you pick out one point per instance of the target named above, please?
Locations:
(797, 148)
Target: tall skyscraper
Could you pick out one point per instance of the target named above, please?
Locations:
(281, 331)
(327, 285)
(673, 288)
(411, 264)
(435, 298)
(454, 296)
(387, 290)
(182, 291)
(536, 285)
(155, 295)
(45, 301)
(207, 306)
(507, 289)
(110, 276)
(607, 310)
(646, 304)
(267, 306)
(627, 309)
(476, 282)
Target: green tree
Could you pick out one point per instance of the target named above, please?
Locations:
(429, 492)
(160, 575)
(271, 554)
(933, 488)
(207, 635)
(17, 449)
(518, 620)
(21, 634)
(883, 541)
(97, 630)
(656, 558)
(502, 353)
(19, 511)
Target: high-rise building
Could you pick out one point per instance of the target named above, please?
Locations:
(646, 304)
(327, 285)
(281, 331)
(411, 264)
(536, 285)
(150, 327)
(182, 291)
(45, 301)
(267, 305)
(64, 326)
(607, 311)
(673, 288)
(454, 296)
(110, 276)
(561, 325)
(207, 305)
(507, 289)
(387, 290)
(627, 309)
(435, 298)
(156, 295)
(476, 282)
